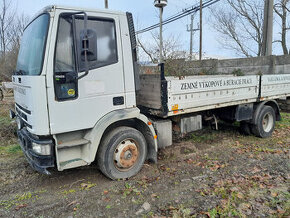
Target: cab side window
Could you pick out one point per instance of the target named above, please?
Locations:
(106, 42)
(65, 61)
(64, 56)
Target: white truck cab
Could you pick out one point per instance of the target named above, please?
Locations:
(79, 96)
(75, 78)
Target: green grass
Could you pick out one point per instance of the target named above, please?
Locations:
(10, 149)
(7, 131)
(285, 122)
(202, 138)
(13, 149)
(26, 197)
(4, 120)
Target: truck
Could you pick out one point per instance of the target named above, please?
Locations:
(80, 97)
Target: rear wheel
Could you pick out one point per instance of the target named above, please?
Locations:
(265, 123)
(122, 153)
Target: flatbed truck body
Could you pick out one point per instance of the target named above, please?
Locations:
(170, 96)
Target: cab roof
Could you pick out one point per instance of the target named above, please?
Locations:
(52, 8)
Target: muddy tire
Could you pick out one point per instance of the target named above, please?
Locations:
(265, 123)
(122, 153)
(245, 128)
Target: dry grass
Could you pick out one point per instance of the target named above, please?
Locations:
(7, 127)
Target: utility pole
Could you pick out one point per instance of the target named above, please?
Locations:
(200, 31)
(106, 4)
(190, 29)
(161, 35)
(268, 28)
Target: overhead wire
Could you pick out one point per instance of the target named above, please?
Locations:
(184, 13)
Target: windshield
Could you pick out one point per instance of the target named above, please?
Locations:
(31, 54)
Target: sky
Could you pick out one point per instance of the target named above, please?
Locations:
(145, 14)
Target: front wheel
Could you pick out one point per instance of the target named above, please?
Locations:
(122, 153)
(265, 123)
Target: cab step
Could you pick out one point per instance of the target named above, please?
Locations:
(73, 143)
(77, 162)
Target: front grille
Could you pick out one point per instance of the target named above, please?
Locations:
(21, 114)
(22, 108)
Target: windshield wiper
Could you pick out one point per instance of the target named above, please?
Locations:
(20, 72)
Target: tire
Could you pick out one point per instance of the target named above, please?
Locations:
(265, 123)
(245, 128)
(122, 153)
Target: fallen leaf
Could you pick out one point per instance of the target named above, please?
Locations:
(224, 203)
(107, 199)
(106, 192)
(71, 203)
(20, 206)
(234, 189)
(255, 170)
(281, 211)
(240, 195)
(198, 164)
(261, 186)
(274, 194)
(84, 185)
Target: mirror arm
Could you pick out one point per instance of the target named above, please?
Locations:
(85, 47)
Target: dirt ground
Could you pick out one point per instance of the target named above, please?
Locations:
(209, 174)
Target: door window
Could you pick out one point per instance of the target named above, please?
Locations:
(106, 42)
(65, 60)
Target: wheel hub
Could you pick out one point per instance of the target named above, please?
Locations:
(126, 154)
(267, 122)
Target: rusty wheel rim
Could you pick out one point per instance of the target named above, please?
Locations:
(126, 155)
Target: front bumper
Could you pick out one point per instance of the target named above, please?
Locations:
(38, 162)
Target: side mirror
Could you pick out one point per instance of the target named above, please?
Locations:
(89, 47)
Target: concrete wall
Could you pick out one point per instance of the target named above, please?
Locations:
(246, 66)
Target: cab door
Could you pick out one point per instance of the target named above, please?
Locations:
(76, 104)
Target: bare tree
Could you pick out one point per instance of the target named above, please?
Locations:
(172, 48)
(282, 10)
(241, 26)
(17, 29)
(173, 53)
(11, 30)
(7, 16)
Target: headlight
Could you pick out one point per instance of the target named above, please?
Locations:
(41, 149)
